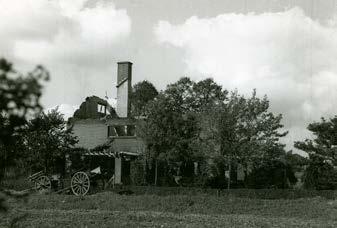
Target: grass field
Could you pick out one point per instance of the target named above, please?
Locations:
(108, 209)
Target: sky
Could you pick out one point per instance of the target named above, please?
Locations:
(286, 49)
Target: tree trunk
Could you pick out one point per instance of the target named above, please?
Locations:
(156, 174)
(229, 174)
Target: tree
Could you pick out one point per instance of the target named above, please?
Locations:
(19, 98)
(244, 131)
(171, 129)
(142, 93)
(47, 139)
(195, 121)
(296, 161)
(321, 172)
(167, 133)
(197, 97)
(272, 173)
(208, 94)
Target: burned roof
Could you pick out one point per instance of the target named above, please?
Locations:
(94, 108)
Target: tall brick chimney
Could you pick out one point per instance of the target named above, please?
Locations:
(124, 78)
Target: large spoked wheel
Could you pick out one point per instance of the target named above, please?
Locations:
(80, 184)
(43, 184)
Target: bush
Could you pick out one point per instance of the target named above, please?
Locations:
(272, 174)
(320, 176)
(76, 159)
(137, 172)
(212, 174)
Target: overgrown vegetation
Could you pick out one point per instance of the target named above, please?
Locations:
(321, 172)
(19, 100)
(201, 122)
(142, 93)
(46, 140)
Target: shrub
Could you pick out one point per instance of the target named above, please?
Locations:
(137, 172)
(320, 176)
(272, 174)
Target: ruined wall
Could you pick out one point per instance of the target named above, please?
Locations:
(88, 108)
(90, 133)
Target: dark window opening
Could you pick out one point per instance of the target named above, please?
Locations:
(121, 130)
(131, 130)
(112, 131)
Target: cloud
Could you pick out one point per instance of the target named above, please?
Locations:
(61, 30)
(78, 41)
(286, 55)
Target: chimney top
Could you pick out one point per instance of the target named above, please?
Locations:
(124, 62)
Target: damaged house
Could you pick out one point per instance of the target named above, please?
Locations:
(96, 123)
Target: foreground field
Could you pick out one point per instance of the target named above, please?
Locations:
(112, 210)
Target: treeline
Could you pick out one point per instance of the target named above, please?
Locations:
(199, 134)
(226, 133)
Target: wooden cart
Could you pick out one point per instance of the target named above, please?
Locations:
(80, 182)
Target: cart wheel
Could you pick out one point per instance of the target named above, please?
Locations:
(42, 184)
(80, 184)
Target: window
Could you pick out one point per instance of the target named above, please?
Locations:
(112, 131)
(131, 130)
(101, 108)
(122, 130)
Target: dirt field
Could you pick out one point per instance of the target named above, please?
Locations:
(112, 210)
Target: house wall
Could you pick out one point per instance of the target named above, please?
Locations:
(132, 144)
(90, 133)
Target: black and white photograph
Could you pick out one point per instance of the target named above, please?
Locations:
(168, 113)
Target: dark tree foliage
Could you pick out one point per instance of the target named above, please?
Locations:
(171, 129)
(142, 93)
(321, 172)
(77, 160)
(19, 99)
(208, 94)
(189, 96)
(214, 174)
(297, 161)
(320, 176)
(168, 133)
(47, 139)
(254, 130)
(272, 174)
(198, 121)
(243, 131)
